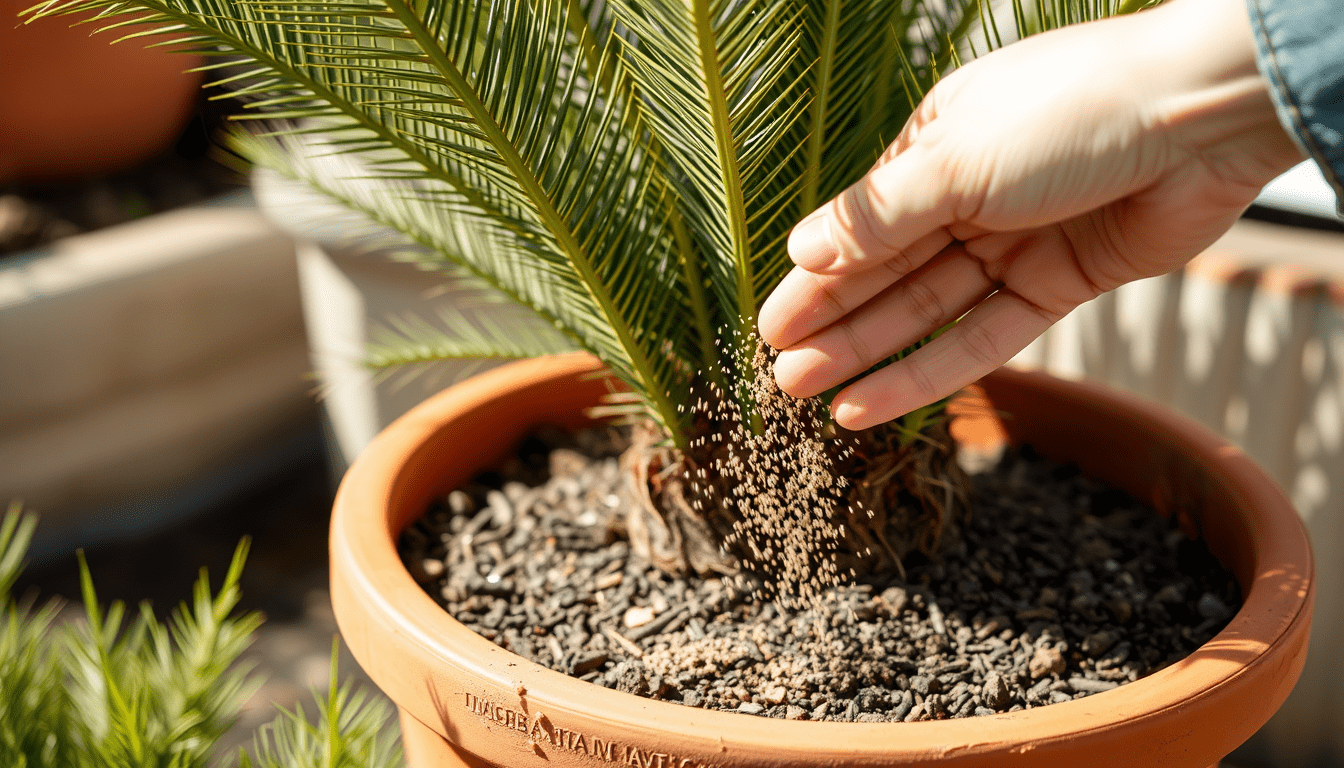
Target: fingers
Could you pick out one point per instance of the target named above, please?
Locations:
(986, 338)
(804, 303)
(928, 299)
(896, 205)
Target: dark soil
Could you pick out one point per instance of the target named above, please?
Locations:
(1059, 588)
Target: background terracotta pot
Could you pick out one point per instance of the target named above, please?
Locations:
(465, 701)
(72, 104)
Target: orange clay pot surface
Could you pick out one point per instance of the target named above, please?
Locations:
(72, 104)
(466, 701)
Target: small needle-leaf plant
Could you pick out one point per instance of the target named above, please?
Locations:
(121, 689)
(629, 170)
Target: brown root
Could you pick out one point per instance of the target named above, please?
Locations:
(786, 499)
(663, 526)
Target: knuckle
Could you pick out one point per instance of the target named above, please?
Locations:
(980, 346)
(826, 290)
(925, 305)
(861, 213)
(920, 379)
(857, 346)
(901, 263)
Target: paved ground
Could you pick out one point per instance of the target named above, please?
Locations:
(285, 578)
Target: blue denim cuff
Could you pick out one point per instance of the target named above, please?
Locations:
(1300, 51)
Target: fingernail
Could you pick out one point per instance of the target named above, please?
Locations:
(847, 414)
(811, 245)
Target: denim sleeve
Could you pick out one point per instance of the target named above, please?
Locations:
(1300, 51)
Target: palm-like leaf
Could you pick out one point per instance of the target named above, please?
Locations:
(628, 169)
(721, 95)
(481, 108)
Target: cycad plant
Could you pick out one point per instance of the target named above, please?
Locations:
(629, 170)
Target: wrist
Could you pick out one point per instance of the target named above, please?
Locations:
(1209, 100)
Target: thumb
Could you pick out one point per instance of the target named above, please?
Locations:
(905, 197)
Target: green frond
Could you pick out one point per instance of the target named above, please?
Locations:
(489, 105)
(844, 41)
(487, 250)
(722, 95)
(628, 169)
(495, 335)
(16, 532)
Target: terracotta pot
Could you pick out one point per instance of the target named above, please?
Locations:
(72, 104)
(465, 701)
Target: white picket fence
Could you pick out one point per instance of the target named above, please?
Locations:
(1248, 340)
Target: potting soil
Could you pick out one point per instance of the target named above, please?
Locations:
(1058, 588)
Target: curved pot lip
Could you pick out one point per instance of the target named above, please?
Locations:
(1272, 622)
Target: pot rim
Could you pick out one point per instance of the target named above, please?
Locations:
(1261, 649)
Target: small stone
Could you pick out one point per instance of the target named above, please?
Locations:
(1088, 685)
(692, 698)
(1170, 593)
(588, 663)
(750, 708)
(460, 503)
(820, 710)
(1098, 643)
(631, 680)
(608, 581)
(923, 685)
(895, 599)
(1211, 608)
(792, 712)
(995, 691)
(1120, 609)
(1046, 661)
(501, 509)
(903, 707)
(432, 567)
(776, 695)
(637, 616)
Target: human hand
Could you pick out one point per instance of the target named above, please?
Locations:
(1027, 182)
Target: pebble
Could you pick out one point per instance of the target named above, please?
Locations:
(637, 617)
(1088, 685)
(1046, 661)
(995, 691)
(1210, 607)
(1098, 643)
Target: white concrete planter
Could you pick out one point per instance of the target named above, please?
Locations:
(148, 369)
(1249, 340)
(350, 293)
